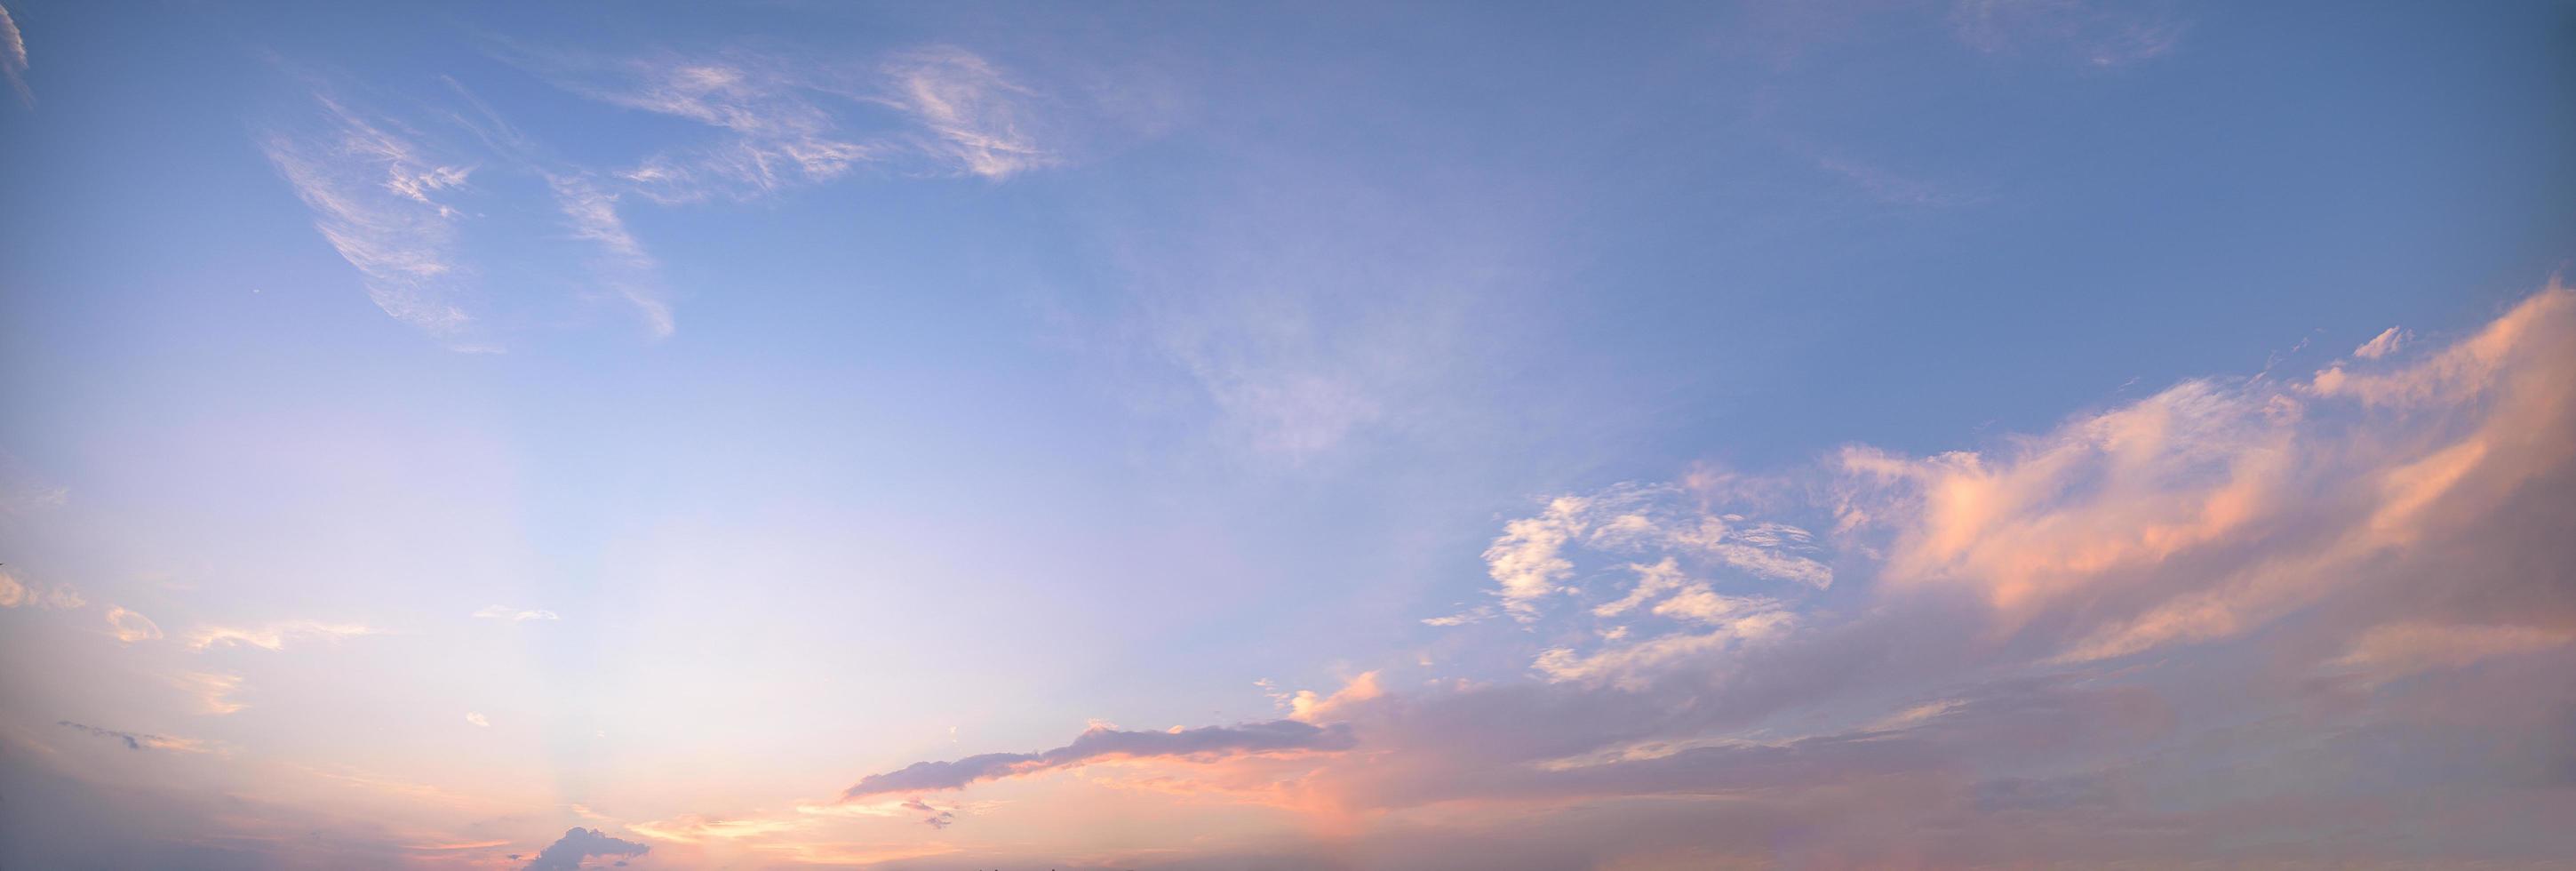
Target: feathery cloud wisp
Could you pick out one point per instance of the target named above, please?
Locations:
(13, 57)
(376, 197)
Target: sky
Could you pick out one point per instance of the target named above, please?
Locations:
(1235, 436)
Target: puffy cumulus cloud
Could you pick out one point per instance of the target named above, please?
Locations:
(1100, 743)
(276, 636)
(130, 627)
(577, 844)
(2252, 621)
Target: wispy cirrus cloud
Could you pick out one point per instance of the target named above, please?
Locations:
(2099, 34)
(784, 123)
(621, 264)
(378, 197)
(13, 57)
(777, 130)
(977, 120)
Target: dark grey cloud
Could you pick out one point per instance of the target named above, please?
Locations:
(566, 853)
(133, 740)
(1105, 743)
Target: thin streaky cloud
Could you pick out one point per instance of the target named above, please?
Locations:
(978, 118)
(515, 615)
(13, 58)
(140, 741)
(276, 636)
(621, 263)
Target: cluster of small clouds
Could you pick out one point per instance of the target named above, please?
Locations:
(2077, 645)
(17, 594)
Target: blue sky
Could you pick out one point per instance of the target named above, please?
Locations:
(726, 402)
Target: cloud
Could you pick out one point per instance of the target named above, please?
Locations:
(785, 123)
(13, 58)
(977, 119)
(137, 741)
(515, 615)
(621, 262)
(2382, 345)
(478, 720)
(577, 844)
(212, 690)
(695, 829)
(2211, 508)
(378, 197)
(1533, 558)
(16, 594)
(777, 132)
(1103, 743)
(2158, 633)
(275, 636)
(131, 627)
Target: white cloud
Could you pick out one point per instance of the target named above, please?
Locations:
(276, 636)
(515, 615)
(478, 720)
(374, 194)
(978, 119)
